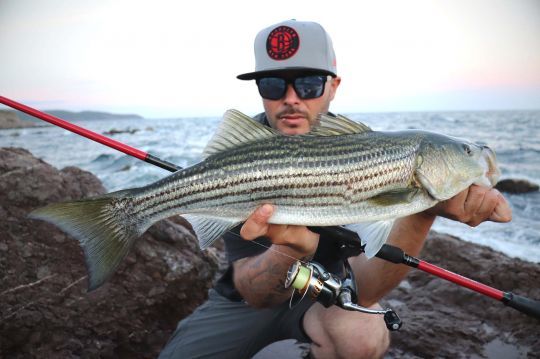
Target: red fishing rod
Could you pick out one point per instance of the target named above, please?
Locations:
(351, 243)
(347, 238)
(128, 150)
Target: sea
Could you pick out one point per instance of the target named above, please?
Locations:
(514, 135)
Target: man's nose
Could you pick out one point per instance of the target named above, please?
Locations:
(290, 95)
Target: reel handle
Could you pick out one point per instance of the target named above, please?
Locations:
(392, 321)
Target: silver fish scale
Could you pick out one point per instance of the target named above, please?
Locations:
(299, 174)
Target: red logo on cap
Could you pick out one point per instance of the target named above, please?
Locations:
(282, 43)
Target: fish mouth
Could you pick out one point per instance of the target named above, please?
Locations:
(488, 161)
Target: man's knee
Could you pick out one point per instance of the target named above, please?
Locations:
(372, 342)
(374, 345)
(340, 334)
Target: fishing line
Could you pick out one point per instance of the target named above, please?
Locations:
(269, 248)
(276, 251)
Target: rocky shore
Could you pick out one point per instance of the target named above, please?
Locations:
(10, 119)
(45, 309)
(46, 312)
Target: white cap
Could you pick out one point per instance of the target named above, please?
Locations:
(293, 46)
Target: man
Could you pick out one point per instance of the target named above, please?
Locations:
(297, 79)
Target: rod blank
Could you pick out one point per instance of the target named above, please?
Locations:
(131, 151)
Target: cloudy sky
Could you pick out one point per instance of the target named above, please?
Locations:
(174, 58)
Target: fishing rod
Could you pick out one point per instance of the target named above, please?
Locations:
(396, 255)
(128, 150)
(348, 239)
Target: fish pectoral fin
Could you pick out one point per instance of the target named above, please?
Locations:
(208, 229)
(372, 234)
(236, 129)
(405, 195)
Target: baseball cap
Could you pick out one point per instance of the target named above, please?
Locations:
(292, 46)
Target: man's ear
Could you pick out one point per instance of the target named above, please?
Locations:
(334, 84)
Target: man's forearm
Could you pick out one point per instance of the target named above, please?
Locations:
(261, 279)
(376, 277)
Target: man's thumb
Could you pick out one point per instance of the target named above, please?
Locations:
(257, 224)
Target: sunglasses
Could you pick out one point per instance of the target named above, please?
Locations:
(306, 87)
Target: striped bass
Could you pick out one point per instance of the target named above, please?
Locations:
(340, 173)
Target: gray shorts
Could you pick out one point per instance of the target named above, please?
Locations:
(221, 328)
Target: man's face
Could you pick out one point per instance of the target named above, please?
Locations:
(292, 115)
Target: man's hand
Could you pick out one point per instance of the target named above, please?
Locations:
(261, 279)
(298, 238)
(473, 206)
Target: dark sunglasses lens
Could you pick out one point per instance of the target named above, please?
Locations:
(272, 88)
(309, 86)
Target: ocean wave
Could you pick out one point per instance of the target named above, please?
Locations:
(104, 157)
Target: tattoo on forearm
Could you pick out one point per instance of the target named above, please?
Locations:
(266, 278)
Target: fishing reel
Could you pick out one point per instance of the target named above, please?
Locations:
(313, 280)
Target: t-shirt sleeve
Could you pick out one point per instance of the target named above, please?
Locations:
(373, 234)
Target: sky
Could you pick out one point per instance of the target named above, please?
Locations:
(165, 58)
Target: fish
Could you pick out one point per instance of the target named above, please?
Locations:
(340, 173)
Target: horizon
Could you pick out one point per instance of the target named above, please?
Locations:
(162, 61)
(5, 108)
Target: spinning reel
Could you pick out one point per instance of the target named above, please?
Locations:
(311, 279)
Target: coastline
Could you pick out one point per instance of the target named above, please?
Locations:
(10, 119)
(15, 119)
(47, 312)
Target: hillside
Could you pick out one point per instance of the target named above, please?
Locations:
(82, 115)
(10, 119)
(17, 119)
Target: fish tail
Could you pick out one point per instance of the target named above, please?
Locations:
(103, 226)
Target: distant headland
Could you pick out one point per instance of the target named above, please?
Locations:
(16, 119)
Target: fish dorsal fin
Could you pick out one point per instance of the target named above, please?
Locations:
(337, 125)
(235, 129)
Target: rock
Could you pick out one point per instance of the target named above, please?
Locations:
(114, 131)
(516, 186)
(10, 119)
(46, 311)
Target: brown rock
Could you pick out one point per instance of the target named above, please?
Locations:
(45, 309)
(516, 186)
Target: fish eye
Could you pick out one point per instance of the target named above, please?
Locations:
(467, 149)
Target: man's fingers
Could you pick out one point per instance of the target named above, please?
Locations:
(502, 212)
(473, 200)
(257, 224)
(482, 203)
(298, 238)
(474, 206)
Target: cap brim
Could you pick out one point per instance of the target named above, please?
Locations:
(288, 70)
